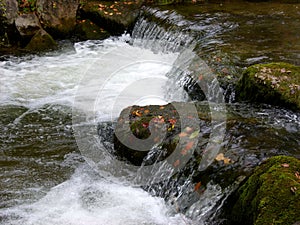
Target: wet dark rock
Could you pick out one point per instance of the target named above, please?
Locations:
(27, 24)
(151, 133)
(249, 139)
(9, 10)
(87, 30)
(41, 41)
(274, 83)
(8, 14)
(114, 17)
(270, 196)
(58, 17)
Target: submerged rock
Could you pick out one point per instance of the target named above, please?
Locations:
(273, 83)
(270, 196)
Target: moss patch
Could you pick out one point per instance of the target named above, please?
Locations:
(271, 195)
(274, 83)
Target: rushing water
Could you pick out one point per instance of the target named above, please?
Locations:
(44, 178)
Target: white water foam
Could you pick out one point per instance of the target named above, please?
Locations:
(84, 199)
(87, 199)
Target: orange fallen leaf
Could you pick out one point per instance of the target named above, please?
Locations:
(297, 174)
(285, 165)
(137, 113)
(182, 134)
(189, 145)
(176, 163)
(221, 157)
(146, 111)
(197, 186)
(172, 121)
(161, 107)
(145, 125)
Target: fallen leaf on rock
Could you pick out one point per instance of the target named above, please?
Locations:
(172, 121)
(285, 165)
(221, 157)
(176, 163)
(194, 134)
(197, 186)
(188, 129)
(182, 134)
(189, 145)
(145, 125)
(282, 70)
(293, 190)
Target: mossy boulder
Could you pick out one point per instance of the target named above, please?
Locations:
(273, 83)
(271, 195)
(41, 41)
(145, 134)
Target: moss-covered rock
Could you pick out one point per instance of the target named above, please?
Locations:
(150, 133)
(271, 195)
(41, 41)
(273, 83)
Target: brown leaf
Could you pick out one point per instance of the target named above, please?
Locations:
(285, 165)
(182, 134)
(197, 186)
(293, 190)
(176, 163)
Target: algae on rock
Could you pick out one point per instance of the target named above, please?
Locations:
(273, 83)
(271, 195)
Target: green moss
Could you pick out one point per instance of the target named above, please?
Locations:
(41, 41)
(27, 6)
(271, 195)
(273, 83)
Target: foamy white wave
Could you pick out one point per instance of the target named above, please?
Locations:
(55, 79)
(87, 199)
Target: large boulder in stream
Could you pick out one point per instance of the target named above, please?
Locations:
(27, 24)
(270, 196)
(41, 41)
(115, 17)
(58, 17)
(250, 137)
(8, 14)
(273, 83)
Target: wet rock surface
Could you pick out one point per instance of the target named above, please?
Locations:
(114, 17)
(58, 17)
(251, 137)
(274, 83)
(269, 196)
